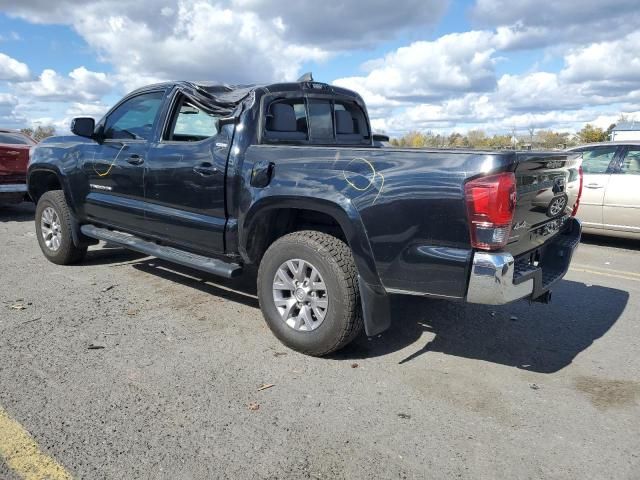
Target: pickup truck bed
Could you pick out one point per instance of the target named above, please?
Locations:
(287, 177)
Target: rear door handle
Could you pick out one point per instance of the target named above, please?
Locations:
(594, 185)
(135, 160)
(205, 169)
(13, 152)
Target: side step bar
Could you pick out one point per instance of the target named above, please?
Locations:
(170, 254)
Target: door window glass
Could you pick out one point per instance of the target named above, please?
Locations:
(134, 119)
(597, 160)
(191, 123)
(631, 163)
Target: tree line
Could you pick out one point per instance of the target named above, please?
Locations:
(533, 138)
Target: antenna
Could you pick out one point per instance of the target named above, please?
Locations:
(307, 77)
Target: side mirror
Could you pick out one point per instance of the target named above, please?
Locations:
(83, 126)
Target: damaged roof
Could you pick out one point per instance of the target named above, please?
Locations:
(224, 99)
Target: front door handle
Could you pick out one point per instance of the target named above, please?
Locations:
(594, 185)
(205, 169)
(135, 160)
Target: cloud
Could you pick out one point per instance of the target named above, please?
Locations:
(80, 84)
(346, 24)
(526, 24)
(12, 70)
(426, 71)
(612, 66)
(228, 40)
(9, 115)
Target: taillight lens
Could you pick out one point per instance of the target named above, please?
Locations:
(491, 202)
(577, 204)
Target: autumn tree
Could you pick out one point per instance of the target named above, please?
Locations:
(40, 132)
(591, 134)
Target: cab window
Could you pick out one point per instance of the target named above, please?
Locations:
(191, 123)
(320, 121)
(315, 121)
(134, 119)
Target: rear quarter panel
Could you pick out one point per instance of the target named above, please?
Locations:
(408, 204)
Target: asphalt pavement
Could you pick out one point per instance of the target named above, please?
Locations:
(127, 367)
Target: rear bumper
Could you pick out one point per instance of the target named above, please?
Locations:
(499, 278)
(14, 188)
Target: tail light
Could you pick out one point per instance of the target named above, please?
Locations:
(577, 204)
(491, 202)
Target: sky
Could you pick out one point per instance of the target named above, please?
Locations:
(427, 65)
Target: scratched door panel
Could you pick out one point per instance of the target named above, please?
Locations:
(184, 193)
(115, 195)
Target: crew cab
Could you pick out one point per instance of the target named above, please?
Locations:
(14, 157)
(287, 177)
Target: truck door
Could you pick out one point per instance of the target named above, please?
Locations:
(115, 167)
(621, 210)
(597, 165)
(185, 181)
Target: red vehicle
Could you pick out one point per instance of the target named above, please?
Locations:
(14, 157)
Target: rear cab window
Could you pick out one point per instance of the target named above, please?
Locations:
(310, 120)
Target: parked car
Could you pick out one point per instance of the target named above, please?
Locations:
(14, 157)
(287, 177)
(610, 203)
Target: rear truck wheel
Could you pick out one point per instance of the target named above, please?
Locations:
(308, 292)
(53, 229)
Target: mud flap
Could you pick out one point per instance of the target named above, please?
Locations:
(376, 310)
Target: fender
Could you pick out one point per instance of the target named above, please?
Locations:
(78, 238)
(374, 299)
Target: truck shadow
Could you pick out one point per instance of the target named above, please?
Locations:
(539, 338)
(536, 337)
(19, 212)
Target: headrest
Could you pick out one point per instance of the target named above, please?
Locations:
(283, 118)
(344, 122)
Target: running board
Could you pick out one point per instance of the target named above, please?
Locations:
(170, 254)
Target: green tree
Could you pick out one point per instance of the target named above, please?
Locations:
(590, 134)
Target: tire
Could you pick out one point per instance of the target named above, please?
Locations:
(331, 258)
(62, 251)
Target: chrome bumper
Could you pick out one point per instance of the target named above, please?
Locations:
(14, 188)
(491, 280)
(497, 278)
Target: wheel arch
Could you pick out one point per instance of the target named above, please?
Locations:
(269, 218)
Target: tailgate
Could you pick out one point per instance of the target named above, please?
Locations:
(548, 186)
(13, 163)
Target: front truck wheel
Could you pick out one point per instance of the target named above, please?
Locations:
(308, 291)
(53, 228)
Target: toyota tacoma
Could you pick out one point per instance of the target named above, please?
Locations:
(287, 177)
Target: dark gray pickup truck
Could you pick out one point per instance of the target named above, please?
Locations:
(288, 177)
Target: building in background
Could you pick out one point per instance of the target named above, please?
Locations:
(625, 131)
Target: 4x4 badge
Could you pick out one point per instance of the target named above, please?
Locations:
(520, 225)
